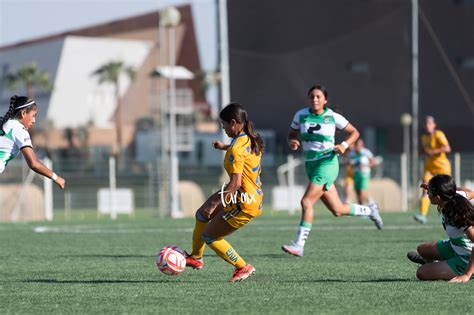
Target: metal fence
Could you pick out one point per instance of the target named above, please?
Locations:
(86, 176)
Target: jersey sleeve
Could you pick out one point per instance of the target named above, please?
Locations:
(441, 138)
(21, 138)
(295, 123)
(462, 193)
(369, 154)
(341, 121)
(237, 158)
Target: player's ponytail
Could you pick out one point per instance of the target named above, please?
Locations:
(255, 138)
(17, 103)
(239, 114)
(457, 210)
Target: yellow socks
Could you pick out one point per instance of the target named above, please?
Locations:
(226, 252)
(198, 244)
(424, 205)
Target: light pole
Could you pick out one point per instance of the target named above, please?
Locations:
(406, 121)
(415, 92)
(169, 19)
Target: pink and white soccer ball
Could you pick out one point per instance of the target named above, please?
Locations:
(171, 260)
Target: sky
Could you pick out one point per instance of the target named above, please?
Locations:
(26, 19)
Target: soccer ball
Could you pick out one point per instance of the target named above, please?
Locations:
(171, 260)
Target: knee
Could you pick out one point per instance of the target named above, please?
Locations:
(202, 217)
(306, 203)
(421, 249)
(421, 274)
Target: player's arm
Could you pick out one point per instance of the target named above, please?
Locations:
(352, 136)
(444, 149)
(470, 266)
(293, 138)
(469, 193)
(40, 168)
(219, 145)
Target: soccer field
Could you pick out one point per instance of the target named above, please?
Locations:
(92, 266)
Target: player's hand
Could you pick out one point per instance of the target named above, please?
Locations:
(460, 279)
(339, 149)
(294, 144)
(219, 145)
(61, 182)
(429, 152)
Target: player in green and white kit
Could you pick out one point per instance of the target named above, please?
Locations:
(14, 137)
(450, 259)
(361, 160)
(314, 129)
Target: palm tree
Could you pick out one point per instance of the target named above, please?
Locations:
(110, 73)
(31, 76)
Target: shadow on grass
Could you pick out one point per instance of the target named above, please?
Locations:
(282, 255)
(106, 256)
(349, 281)
(54, 281)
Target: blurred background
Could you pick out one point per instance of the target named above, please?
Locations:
(129, 94)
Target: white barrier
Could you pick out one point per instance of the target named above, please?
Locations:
(115, 201)
(287, 197)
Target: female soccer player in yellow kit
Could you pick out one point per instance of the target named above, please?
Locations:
(435, 146)
(239, 201)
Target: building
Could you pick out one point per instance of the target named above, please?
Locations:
(78, 100)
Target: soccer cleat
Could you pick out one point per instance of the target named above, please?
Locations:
(293, 249)
(375, 215)
(242, 273)
(195, 263)
(413, 256)
(420, 218)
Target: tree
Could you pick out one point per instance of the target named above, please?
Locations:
(110, 73)
(31, 76)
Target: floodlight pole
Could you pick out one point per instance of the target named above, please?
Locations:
(415, 93)
(224, 53)
(223, 60)
(170, 18)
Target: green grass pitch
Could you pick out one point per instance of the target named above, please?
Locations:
(89, 265)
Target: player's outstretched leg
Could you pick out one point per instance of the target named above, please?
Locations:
(375, 215)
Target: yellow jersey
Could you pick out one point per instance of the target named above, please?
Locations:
(239, 159)
(437, 163)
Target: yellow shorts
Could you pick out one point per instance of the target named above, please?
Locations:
(349, 181)
(236, 217)
(430, 172)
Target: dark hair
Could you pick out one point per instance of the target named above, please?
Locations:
(238, 112)
(457, 210)
(17, 103)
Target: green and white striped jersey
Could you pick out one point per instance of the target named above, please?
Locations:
(360, 161)
(460, 243)
(317, 131)
(16, 137)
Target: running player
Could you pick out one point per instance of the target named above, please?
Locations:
(435, 146)
(314, 128)
(449, 259)
(361, 160)
(239, 201)
(14, 137)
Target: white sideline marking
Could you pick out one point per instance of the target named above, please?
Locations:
(114, 230)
